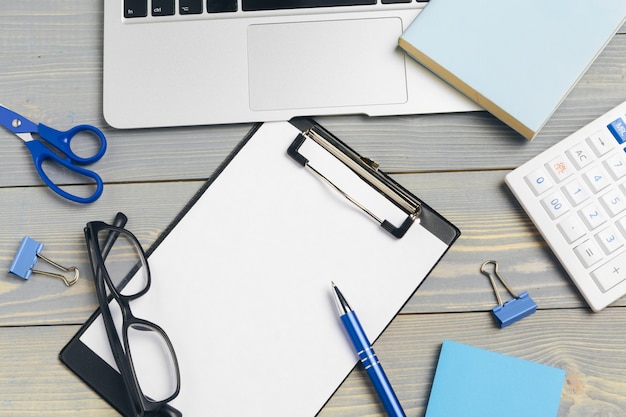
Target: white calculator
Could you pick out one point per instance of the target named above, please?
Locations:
(575, 193)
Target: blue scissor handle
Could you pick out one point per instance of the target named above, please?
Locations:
(41, 153)
(61, 141)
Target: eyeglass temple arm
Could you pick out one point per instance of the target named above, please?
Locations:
(120, 221)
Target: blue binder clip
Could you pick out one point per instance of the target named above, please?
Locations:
(26, 258)
(513, 310)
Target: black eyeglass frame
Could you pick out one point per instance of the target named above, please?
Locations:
(142, 404)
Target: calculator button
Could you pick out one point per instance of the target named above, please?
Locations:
(575, 192)
(621, 224)
(601, 142)
(539, 181)
(560, 168)
(614, 202)
(611, 273)
(581, 155)
(588, 253)
(618, 128)
(592, 216)
(555, 204)
(572, 228)
(616, 165)
(597, 178)
(610, 240)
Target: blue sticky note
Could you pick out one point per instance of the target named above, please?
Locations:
(520, 75)
(473, 382)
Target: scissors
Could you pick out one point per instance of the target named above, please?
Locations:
(45, 143)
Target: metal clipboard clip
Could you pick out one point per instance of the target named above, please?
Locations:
(368, 171)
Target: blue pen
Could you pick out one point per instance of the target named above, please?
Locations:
(368, 357)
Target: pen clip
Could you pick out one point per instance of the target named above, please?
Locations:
(367, 170)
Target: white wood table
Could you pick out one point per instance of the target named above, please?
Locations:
(51, 71)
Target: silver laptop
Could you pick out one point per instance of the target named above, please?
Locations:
(197, 62)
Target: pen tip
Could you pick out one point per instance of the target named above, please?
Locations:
(342, 304)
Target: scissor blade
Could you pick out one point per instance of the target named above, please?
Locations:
(16, 123)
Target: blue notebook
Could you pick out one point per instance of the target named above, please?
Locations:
(518, 60)
(473, 382)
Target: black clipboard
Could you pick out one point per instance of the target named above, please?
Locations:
(392, 240)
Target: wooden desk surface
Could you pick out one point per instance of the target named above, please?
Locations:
(51, 70)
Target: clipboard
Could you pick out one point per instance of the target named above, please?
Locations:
(241, 278)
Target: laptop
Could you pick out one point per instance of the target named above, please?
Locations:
(200, 62)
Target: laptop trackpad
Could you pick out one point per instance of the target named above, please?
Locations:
(326, 64)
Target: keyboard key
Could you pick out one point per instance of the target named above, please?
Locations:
(251, 5)
(618, 128)
(581, 155)
(555, 204)
(221, 6)
(588, 253)
(592, 216)
(621, 224)
(597, 178)
(135, 8)
(601, 142)
(560, 168)
(190, 6)
(162, 7)
(539, 181)
(611, 273)
(572, 228)
(614, 202)
(576, 192)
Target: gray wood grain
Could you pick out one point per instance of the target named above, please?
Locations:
(584, 344)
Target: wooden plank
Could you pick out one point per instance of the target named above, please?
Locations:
(492, 223)
(493, 227)
(585, 345)
(35, 383)
(58, 224)
(581, 343)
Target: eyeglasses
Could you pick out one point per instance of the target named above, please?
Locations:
(143, 352)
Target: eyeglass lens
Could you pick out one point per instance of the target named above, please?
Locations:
(152, 359)
(124, 263)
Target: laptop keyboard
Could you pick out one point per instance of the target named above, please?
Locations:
(252, 5)
(141, 8)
